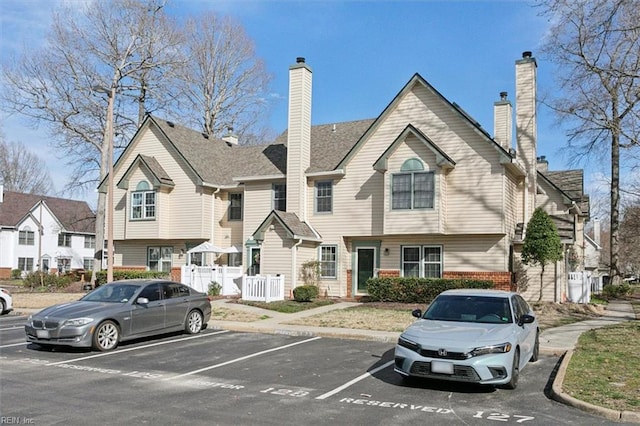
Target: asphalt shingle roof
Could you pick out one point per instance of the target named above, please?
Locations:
(75, 216)
(218, 162)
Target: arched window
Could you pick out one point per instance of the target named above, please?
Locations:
(412, 187)
(143, 202)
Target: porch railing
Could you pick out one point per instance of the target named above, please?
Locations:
(261, 288)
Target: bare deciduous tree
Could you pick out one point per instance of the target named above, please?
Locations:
(596, 46)
(21, 170)
(223, 83)
(131, 53)
(105, 47)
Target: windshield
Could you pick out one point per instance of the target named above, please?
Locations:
(114, 293)
(480, 309)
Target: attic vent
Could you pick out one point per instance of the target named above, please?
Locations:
(204, 135)
(170, 123)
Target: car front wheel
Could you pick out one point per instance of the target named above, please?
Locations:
(106, 336)
(193, 325)
(515, 372)
(536, 348)
(2, 306)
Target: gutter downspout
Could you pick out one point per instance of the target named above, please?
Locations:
(294, 276)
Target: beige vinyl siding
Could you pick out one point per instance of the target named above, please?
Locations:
(553, 279)
(551, 200)
(473, 188)
(181, 210)
(408, 221)
(512, 203)
(257, 202)
(134, 253)
(306, 252)
(276, 255)
(487, 253)
(227, 233)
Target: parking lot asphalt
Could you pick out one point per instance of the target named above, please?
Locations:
(554, 342)
(558, 341)
(227, 377)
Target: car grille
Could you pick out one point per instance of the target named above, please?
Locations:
(449, 355)
(461, 373)
(44, 324)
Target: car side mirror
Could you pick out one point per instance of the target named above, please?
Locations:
(142, 301)
(526, 319)
(417, 313)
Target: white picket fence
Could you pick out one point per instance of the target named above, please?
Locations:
(262, 288)
(200, 277)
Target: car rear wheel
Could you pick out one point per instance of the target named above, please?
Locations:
(193, 324)
(106, 336)
(536, 348)
(515, 371)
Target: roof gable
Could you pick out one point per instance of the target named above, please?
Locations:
(442, 159)
(160, 177)
(505, 157)
(295, 228)
(73, 215)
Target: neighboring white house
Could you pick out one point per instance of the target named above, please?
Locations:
(420, 190)
(44, 233)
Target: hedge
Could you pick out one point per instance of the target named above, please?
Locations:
(416, 290)
(101, 276)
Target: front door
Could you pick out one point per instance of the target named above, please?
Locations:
(254, 259)
(365, 264)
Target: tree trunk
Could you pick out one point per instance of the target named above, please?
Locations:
(614, 272)
(541, 274)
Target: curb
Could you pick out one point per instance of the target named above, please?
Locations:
(559, 395)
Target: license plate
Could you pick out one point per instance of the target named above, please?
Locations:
(441, 367)
(42, 334)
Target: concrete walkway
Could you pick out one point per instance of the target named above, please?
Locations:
(559, 341)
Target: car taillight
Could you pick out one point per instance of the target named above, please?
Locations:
(209, 298)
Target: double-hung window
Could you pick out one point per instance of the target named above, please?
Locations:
(235, 206)
(64, 240)
(328, 261)
(25, 264)
(89, 242)
(324, 197)
(422, 261)
(280, 197)
(143, 202)
(26, 237)
(412, 188)
(160, 258)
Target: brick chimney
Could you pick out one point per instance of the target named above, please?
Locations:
(503, 121)
(526, 128)
(298, 137)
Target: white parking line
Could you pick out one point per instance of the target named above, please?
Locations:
(15, 327)
(356, 380)
(14, 344)
(242, 358)
(119, 351)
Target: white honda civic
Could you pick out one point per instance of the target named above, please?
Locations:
(474, 336)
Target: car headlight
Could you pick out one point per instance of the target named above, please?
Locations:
(493, 349)
(409, 344)
(76, 322)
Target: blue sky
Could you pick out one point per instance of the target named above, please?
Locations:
(362, 53)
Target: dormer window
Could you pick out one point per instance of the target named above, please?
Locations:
(412, 187)
(143, 202)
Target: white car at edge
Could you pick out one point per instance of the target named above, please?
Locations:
(474, 336)
(6, 302)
